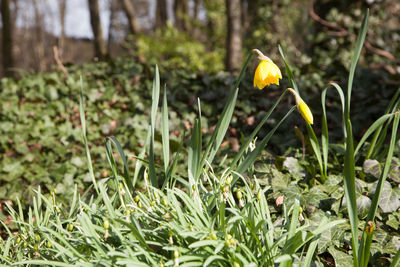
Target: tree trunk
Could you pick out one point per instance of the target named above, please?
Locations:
(40, 49)
(195, 30)
(99, 44)
(233, 58)
(61, 38)
(243, 16)
(161, 13)
(8, 61)
(111, 25)
(181, 11)
(196, 9)
(130, 14)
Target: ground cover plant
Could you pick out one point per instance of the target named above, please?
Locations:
(239, 211)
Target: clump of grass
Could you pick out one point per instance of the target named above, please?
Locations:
(193, 220)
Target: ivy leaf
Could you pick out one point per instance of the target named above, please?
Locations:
(292, 164)
(341, 259)
(389, 201)
(393, 221)
(394, 173)
(363, 205)
(372, 166)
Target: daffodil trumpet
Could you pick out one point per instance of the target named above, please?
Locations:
(267, 71)
(302, 107)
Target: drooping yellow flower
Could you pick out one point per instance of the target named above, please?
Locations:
(302, 107)
(267, 72)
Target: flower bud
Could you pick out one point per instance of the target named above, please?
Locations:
(214, 236)
(176, 253)
(302, 107)
(370, 228)
(164, 202)
(106, 224)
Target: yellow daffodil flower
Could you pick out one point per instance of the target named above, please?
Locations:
(302, 107)
(267, 72)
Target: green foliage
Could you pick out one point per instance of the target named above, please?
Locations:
(177, 50)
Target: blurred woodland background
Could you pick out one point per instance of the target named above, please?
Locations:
(201, 35)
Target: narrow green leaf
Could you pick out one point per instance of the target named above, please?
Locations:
(111, 160)
(214, 258)
(350, 189)
(315, 146)
(289, 72)
(396, 259)
(325, 132)
(374, 127)
(386, 168)
(349, 168)
(171, 169)
(356, 55)
(42, 262)
(245, 145)
(204, 243)
(310, 253)
(225, 118)
(154, 105)
(295, 217)
(165, 130)
(83, 123)
(252, 156)
(392, 107)
(194, 154)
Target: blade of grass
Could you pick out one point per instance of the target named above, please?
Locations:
(194, 152)
(385, 172)
(317, 151)
(325, 132)
(254, 133)
(171, 169)
(252, 156)
(154, 105)
(225, 118)
(374, 127)
(289, 72)
(393, 105)
(139, 163)
(83, 123)
(350, 190)
(349, 165)
(396, 259)
(42, 262)
(356, 55)
(123, 157)
(310, 253)
(165, 130)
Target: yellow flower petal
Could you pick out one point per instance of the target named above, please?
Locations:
(267, 72)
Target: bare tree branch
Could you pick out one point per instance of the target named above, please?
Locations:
(341, 32)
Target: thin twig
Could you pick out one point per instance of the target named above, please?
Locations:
(60, 65)
(341, 32)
